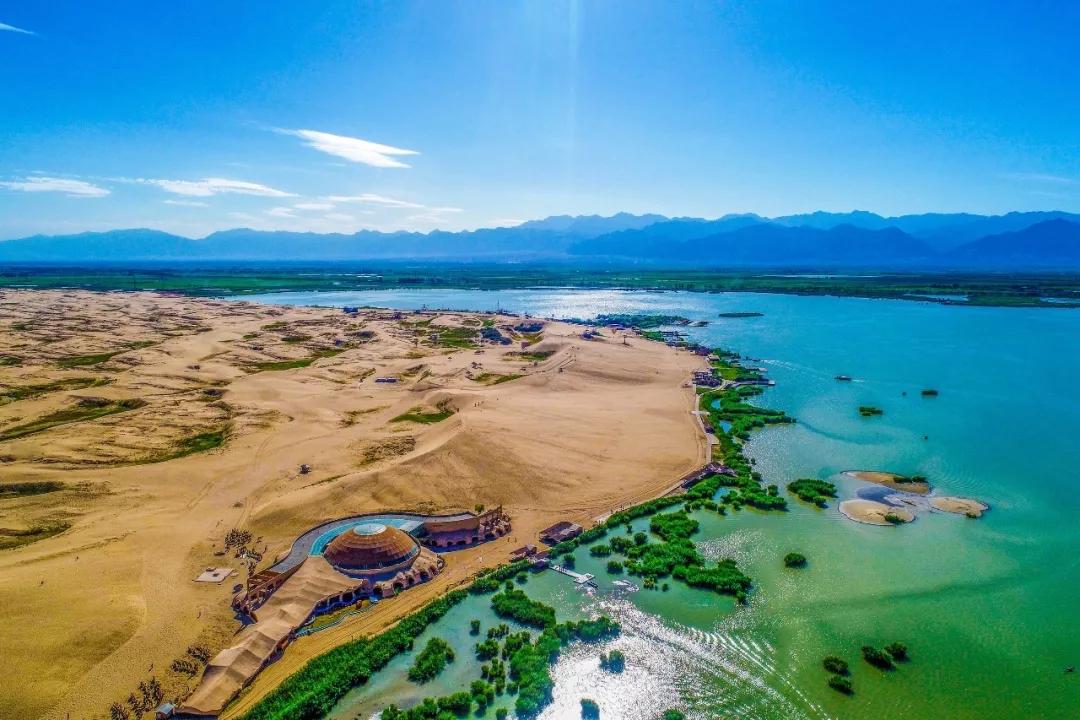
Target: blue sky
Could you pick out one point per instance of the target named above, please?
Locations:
(339, 115)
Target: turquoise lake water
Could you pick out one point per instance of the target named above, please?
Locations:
(989, 608)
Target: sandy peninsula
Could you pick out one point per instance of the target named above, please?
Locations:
(137, 429)
(874, 513)
(891, 480)
(960, 506)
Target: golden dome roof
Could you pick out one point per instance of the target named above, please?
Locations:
(370, 547)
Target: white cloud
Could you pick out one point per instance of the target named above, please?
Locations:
(72, 188)
(215, 186)
(1040, 177)
(370, 199)
(353, 149)
(282, 212)
(186, 203)
(12, 28)
(341, 217)
(314, 206)
(506, 222)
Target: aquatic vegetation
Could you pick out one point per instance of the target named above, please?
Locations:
(615, 661)
(516, 605)
(487, 649)
(841, 684)
(615, 567)
(673, 714)
(474, 627)
(435, 656)
(794, 560)
(812, 490)
(84, 410)
(897, 650)
(678, 557)
(877, 658)
(835, 665)
(600, 550)
(870, 411)
(589, 709)
(929, 393)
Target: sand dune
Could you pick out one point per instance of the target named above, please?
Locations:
(110, 601)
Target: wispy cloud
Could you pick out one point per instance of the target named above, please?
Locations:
(505, 222)
(1040, 177)
(214, 186)
(72, 188)
(339, 217)
(314, 206)
(282, 212)
(186, 203)
(371, 199)
(12, 28)
(353, 149)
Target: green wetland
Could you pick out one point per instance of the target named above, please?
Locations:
(986, 608)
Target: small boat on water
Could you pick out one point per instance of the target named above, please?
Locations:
(846, 378)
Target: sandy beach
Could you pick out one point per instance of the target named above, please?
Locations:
(115, 406)
(891, 480)
(960, 506)
(873, 513)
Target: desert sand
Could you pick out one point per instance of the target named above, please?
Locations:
(960, 506)
(891, 480)
(97, 588)
(873, 513)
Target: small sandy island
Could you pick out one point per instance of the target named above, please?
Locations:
(874, 513)
(891, 480)
(960, 506)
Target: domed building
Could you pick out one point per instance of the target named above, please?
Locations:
(388, 558)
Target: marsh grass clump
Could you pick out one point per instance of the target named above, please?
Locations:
(24, 392)
(794, 560)
(841, 684)
(614, 661)
(445, 410)
(835, 665)
(275, 365)
(589, 709)
(24, 489)
(870, 411)
(435, 656)
(877, 658)
(897, 650)
(812, 490)
(84, 410)
(11, 539)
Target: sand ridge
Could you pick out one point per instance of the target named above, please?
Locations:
(110, 601)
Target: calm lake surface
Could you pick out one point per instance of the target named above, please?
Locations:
(989, 608)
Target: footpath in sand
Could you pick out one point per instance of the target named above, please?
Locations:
(137, 429)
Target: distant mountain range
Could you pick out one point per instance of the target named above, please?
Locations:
(1034, 240)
